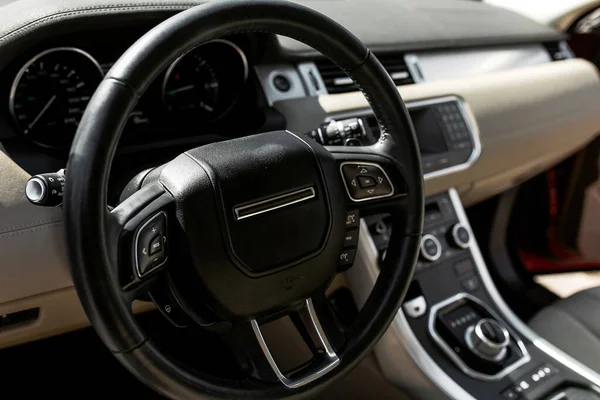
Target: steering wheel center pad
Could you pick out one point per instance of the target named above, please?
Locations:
(262, 228)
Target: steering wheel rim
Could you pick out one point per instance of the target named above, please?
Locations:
(88, 224)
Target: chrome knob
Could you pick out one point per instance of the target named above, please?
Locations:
(431, 248)
(46, 189)
(488, 339)
(35, 190)
(459, 236)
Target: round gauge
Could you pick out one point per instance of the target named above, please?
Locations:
(205, 82)
(51, 92)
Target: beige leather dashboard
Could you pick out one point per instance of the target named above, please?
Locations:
(528, 120)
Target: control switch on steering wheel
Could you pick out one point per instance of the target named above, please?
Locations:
(151, 244)
(366, 181)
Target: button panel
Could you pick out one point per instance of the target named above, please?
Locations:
(347, 255)
(529, 381)
(151, 244)
(365, 181)
(454, 125)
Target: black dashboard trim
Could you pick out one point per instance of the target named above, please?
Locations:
(26, 20)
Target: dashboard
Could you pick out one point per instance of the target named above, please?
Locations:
(524, 107)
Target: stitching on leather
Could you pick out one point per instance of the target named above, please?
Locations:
(380, 115)
(27, 231)
(94, 10)
(125, 85)
(132, 348)
(29, 224)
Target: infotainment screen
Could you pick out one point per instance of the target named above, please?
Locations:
(429, 132)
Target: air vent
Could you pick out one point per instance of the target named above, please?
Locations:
(559, 50)
(336, 81)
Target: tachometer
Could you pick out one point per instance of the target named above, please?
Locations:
(204, 83)
(192, 86)
(51, 92)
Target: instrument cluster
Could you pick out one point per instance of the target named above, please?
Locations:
(51, 91)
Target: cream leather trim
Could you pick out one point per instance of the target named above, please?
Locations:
(32, 250)
(528, 119)
(33, 265)
(60, 311)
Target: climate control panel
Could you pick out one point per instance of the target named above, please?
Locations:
(444, 237)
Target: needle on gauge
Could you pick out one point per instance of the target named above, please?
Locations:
(41, 113)
(181, 89)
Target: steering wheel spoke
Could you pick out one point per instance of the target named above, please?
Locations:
(139, 240)
(308, 323)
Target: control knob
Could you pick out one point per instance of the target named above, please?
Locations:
(346, 132)
(46, 189)
(459, 236)
(488, 339)
(431, 248)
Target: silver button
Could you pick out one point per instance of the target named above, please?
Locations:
(416, 307)
(541, 373)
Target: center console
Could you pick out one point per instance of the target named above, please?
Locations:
(454, 336)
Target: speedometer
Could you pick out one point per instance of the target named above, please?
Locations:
(193, 86)
(205, 82)
(51, 92)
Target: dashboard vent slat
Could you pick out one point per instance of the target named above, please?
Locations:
(559, 50)
(336, 81)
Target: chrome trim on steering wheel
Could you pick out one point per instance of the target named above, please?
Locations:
(331, 358)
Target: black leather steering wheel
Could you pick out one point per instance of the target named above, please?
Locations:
(255, 225)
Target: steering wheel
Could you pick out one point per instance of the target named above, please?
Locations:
(246, 230)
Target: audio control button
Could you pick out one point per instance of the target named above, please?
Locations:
(366, 181)
(431, 248)
(150, 247)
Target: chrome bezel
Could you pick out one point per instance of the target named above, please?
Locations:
(25, 67)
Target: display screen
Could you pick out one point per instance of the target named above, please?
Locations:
(429, 132)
